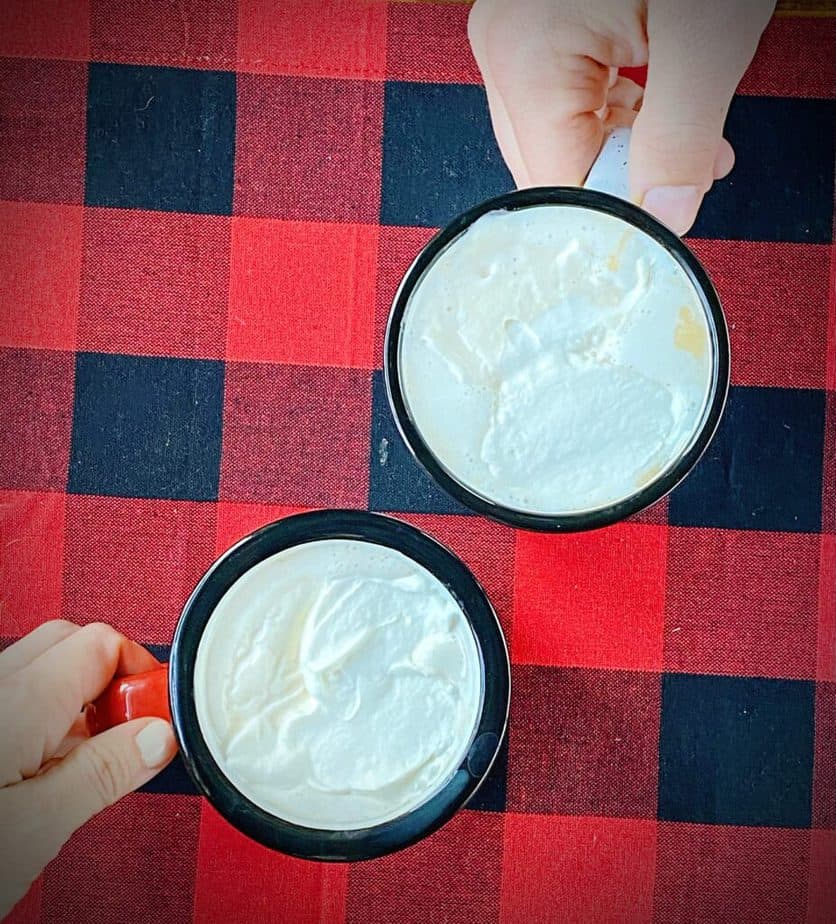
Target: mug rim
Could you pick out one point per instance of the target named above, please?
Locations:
(647, 495)
(381, 839)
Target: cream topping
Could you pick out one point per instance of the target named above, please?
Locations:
(553, 356)
(338, 684)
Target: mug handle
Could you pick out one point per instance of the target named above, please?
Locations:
(137, 696)
(610, 172)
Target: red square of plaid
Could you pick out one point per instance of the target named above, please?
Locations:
(828, 510)
(308, 149)
(584, 742)
(397, 248)
(795, 58)
(40, 264)
(43, 141)
(345, 38)
(154, 283)
(742, 603)
(32, 539)
(591, 600)
(775, 298)
(722, 873)
(234, 521)
(821, 888)
(827, 609)
(45, 29)
(134, 862)
(186, 33)
(302, 292)
(824, 758)
(133, 562)
(454, 875)
(36, 394)
(428, 41)
(239, 880)
(296, 435)
(582, 869)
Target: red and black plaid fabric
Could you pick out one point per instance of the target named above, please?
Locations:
(206, 208)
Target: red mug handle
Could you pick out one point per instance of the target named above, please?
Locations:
(138, 696)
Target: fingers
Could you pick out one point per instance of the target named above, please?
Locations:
(724, 161)
(43, 812)
(502, 127)
(41, 702)
(554, 108)
(697, 56)
(28, 648)
(625, 94)
(552, 76)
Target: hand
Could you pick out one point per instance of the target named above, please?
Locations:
(53, 776)
(550, 70)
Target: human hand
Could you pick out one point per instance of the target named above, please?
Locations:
(54, 777)
(550, 71)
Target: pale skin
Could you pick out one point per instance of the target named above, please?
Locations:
(54, 777)
(550, 71)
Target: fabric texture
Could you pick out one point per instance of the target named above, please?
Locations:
(205, 210)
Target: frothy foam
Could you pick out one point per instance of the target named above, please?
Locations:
(338, 684)
(555, 359)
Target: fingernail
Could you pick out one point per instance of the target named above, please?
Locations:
(674, 206)
(155, 743)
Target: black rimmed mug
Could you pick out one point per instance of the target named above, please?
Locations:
(719, 345)
(169, 691)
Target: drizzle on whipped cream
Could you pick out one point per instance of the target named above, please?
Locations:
(555, 359)
(338, 684)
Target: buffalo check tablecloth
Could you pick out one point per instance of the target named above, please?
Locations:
(206, 208)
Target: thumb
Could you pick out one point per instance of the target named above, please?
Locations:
(103, 769)
(698, 54)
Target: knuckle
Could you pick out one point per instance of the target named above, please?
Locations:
(56, 630)
(60, 625)
(101, 637)
(100, 630)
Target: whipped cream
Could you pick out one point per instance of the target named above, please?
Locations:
(338, 684)
(555, 359)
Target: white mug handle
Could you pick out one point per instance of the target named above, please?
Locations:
(609, 173)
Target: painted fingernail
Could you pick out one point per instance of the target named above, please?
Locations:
(156, 743)
(674, 206)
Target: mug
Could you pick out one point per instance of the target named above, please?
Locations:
(605, 192)
(168, 692)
